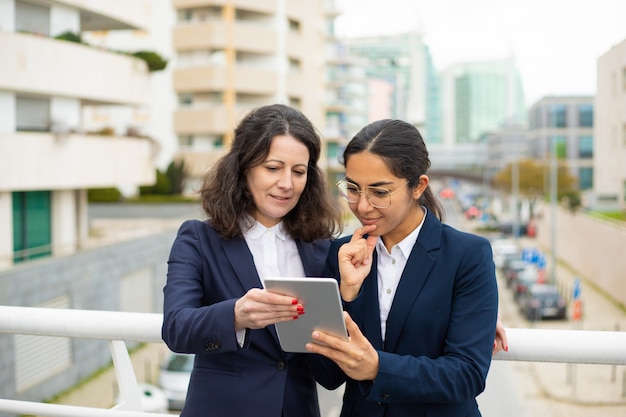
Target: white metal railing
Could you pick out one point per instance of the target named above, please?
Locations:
(532, 345)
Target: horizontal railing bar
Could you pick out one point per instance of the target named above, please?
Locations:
(88, 324)
(565, 346)
(58, 410)
(532, 345)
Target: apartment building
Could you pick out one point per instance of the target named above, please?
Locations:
(47, 160)
(609, 162)
(236, 55)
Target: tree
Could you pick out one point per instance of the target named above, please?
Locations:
(534, 180)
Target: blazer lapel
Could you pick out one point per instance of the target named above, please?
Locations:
(415, 274)
(241, 260)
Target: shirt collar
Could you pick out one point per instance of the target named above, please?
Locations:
(406, 244)
(257, 230)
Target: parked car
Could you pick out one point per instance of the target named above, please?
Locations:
(523, 280)
(174, 378)
(503, 248)
(512, 267)
(543, 301)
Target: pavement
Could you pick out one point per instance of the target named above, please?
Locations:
(548, 389)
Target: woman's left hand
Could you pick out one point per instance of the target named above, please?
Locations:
(500, 342)
(356, 357)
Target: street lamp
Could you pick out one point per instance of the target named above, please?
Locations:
(553, 211)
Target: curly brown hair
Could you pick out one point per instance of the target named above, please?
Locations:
(225, 195)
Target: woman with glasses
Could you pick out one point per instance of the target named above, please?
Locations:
(421, 297)
(268, 214)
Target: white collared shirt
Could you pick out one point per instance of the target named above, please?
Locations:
(390, 267)
(275, 253)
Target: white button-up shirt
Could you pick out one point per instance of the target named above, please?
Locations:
(390, 268)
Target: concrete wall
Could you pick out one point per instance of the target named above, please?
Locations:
(594, 248)
(95, 279)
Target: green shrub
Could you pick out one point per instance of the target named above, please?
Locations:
(69, 36)
(155, 61)
(161, 186)
(177, 174)
(104, 195)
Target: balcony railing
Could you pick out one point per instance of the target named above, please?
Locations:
(532, 345)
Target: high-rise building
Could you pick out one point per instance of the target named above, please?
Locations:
(404, 62)
(609, 160)
(479, 97)
(48, 159)
(236, 55)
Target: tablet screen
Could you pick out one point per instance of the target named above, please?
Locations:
(322, 310)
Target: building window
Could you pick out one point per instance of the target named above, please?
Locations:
(332, 151)
(185, 141)
(585, 147)
(218, 143)
(585, 115)
(32, 18)
(32, 220)
(32, 114)
(185, 15)
(557, 115)
(585, 178)
(185, 99)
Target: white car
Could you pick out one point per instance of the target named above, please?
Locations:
(174, 378)
(502, 248)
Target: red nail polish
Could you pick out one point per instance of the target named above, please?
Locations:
(294, 302)
(506, 348)
(295, 317)
(300, 309)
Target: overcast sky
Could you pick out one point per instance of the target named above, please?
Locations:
(556, 43)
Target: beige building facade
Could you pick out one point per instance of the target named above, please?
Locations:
(234, 55)
(610, 130)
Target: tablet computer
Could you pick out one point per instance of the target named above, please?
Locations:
(322, 310)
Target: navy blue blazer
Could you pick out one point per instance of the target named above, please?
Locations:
(440, 329)
(206, 275)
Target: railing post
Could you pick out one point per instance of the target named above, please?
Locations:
(126, 379)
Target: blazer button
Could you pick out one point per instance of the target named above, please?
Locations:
(214, 345)
(384, 396)
(280, 365)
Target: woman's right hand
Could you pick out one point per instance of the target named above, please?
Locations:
(355, 261)
(259, 308)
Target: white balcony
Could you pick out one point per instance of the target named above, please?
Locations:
(111, 14)
(38, 65)
(35, 161)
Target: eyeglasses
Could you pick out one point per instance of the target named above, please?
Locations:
(377, 196)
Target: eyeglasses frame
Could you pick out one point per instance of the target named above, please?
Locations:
(367, 196)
